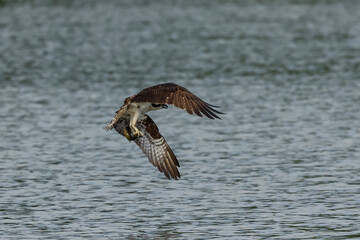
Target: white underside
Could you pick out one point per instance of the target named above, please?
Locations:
(134, 113)
(137, 110)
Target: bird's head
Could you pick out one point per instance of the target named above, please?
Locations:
(158, 106)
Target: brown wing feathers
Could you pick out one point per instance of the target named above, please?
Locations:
(170, 93)
(156, 149)
(153, 145)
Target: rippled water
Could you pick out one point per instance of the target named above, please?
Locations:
(283, 163)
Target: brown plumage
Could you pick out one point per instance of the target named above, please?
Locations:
(153, 145)
(171, 93)
(132, 122)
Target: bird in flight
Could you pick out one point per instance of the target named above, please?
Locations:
(132, 122)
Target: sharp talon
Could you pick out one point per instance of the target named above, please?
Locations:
(132, 135)
(138, 134)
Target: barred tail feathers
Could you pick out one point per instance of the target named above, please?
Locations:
(116, 118)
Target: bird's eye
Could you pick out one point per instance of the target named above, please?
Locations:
(156, 105)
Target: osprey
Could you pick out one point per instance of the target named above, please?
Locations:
(132, 122)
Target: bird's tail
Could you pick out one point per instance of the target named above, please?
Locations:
(110, 126)
(116, 118)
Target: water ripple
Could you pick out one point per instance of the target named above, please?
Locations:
(282, 162)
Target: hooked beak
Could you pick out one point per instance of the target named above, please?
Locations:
(165, 106)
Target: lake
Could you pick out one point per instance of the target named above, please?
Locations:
(283, 163)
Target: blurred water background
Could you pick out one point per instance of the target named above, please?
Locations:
(283, 163)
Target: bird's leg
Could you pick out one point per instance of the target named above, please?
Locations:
(135, 131)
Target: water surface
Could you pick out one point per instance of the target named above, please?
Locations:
(283, 163)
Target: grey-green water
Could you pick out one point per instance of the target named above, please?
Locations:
(283, 163)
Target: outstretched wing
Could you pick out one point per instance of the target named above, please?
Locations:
(171, 93)
(153, 145)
